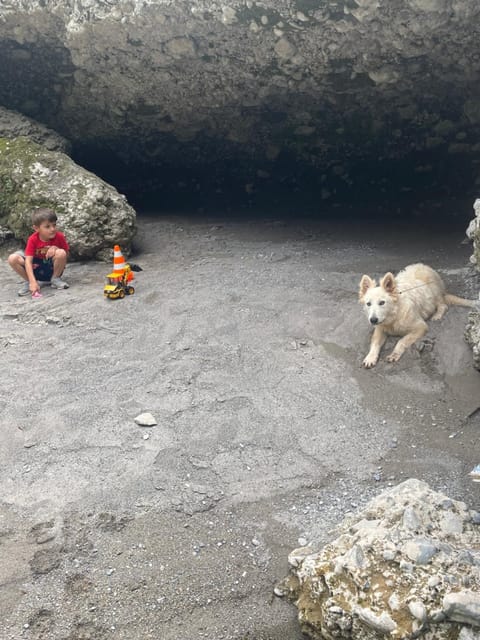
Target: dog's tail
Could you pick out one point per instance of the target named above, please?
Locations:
(461, 302)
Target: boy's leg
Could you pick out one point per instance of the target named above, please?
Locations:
(17, 262)
(59, 263)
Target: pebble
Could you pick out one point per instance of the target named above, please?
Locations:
(418, 611)
(420, 551)
(145, 420)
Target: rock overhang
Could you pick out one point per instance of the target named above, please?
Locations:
(344, 97)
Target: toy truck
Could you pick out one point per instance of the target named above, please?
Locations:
(118, 284)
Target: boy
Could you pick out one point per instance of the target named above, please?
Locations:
(45, 254)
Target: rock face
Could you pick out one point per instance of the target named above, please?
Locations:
(472, 332)
(344, 88)
(472, 336)
(13, 125)
(473, 234)
(93, 214)
(407, 566)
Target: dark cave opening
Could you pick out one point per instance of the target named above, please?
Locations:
(440, 187)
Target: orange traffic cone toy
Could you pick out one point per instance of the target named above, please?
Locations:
(118, 282)
(118, 260)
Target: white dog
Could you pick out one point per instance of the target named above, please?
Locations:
(400, 306)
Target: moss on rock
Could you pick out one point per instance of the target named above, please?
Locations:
(91, 212)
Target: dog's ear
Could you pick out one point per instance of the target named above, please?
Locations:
(388, 282)
(365, 283)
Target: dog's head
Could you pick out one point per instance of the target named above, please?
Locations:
(378, 300)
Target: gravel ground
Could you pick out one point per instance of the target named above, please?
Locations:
(245, 340)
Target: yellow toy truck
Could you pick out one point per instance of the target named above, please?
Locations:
(118, 284)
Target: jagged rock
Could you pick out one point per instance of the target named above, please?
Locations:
(93, 215)
(14, 125)
(472, 331)
(472, 336)
(473, 233)
(407, 566)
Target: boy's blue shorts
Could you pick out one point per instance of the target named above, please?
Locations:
(42, 269)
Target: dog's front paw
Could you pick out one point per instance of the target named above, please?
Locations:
(370, 361)
(394, 357)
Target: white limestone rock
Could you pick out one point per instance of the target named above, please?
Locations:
(473, 234)
(416, 573)
(145, 420)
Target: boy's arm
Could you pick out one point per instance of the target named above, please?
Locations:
(61, 243)
(34, 286)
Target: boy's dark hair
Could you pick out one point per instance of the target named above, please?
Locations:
(43, 215)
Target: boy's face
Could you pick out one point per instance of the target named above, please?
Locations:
(46, 230)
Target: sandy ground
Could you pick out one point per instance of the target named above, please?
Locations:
(244, 339)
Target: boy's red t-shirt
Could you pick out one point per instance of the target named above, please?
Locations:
(38, 248)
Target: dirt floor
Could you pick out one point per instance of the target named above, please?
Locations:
(244, 339)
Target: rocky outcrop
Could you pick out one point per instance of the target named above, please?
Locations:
(473, 234)
(92, 213)
(472, 336)
(407, 566)
(14, 125)
(247, 85)
(472, 331)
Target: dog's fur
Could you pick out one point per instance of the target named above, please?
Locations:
(399, 306)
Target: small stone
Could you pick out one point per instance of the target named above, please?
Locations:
(297, 556)
(394, 602)
(145, 420)
(463, 607)
(382, 623)
(284, 49)
(420, 551)
(410, 519)
(434, 581)
(418, 611)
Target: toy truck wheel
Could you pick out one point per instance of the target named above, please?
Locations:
(121, 294)
(131, 291)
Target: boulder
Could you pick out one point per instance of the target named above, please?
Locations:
(14, 124)
(406, 566)
(93, 215)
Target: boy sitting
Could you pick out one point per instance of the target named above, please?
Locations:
(45, 254)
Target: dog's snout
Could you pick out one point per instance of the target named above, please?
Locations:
(374, 320)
